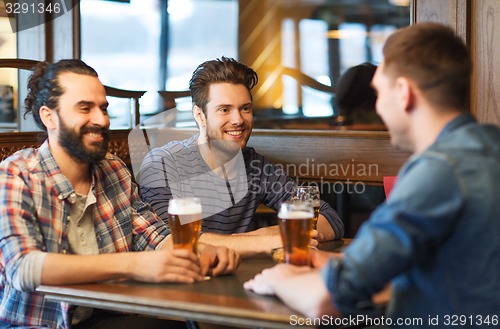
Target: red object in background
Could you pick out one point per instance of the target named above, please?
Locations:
(389, 182)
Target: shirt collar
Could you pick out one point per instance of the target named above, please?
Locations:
(458, 122)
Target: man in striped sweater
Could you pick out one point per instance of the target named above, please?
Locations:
(216, 165)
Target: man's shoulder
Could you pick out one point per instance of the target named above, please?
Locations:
(175, 146)
(184, 152)
(251, 156)
(250, 152)
(457, 151)
(112, 160)
(22, 159)
(112, 168)
(474, 139)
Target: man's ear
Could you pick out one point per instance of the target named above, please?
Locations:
(48, 117)
(406, 93)
(199, 116)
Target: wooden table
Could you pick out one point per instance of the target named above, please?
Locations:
(220, 300)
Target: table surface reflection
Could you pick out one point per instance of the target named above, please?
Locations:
(220, 300)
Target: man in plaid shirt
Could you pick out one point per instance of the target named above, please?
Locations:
(70, 213)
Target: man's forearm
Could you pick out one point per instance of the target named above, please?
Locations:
(246, 244)
(325, 230)
(72, 269)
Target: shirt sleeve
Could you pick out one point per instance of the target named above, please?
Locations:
(154, 183)
(333, 218)
(150, 230)
(418, 216)
(274, 183)
(20, 233)
(277, 186)
(29, 272)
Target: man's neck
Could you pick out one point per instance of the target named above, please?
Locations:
(216, 162)
(427, 128)
(76, 171)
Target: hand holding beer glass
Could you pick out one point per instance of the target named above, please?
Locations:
(184, 220)
(295, 223)
(308, 194)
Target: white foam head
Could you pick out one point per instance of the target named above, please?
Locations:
(295, 214)
(184, 206)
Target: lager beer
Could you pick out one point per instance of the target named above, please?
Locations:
(295, 223)
(184, 221)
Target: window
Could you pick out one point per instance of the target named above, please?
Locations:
(8, 78)
(122, 41)
(299, 48)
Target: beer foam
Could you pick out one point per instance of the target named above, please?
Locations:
(296, 214)
(184, 207)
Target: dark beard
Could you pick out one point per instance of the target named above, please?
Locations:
(72, 142)
(224, 150)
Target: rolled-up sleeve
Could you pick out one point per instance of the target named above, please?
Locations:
(333, 219)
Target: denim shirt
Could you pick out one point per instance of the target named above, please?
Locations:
(436, 239)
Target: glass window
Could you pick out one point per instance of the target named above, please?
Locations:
(8, 78)
(199, 30)
(121, 42)
(299, 48)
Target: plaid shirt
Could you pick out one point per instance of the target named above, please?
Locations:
(35, 207)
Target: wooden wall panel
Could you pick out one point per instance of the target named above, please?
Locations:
(432, 11)
(331, 155)
(12, 142)
(485, 50)
(450, 12)
(327, 156)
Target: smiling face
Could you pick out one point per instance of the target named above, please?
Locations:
(229, 115)
(83, 122)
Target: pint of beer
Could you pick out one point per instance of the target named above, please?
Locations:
(295, 223)
(184, 220)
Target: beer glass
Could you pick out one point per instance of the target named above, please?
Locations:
(184, 220)
(295, 223)
(311, 194)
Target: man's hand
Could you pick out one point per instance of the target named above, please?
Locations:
(217, 260)
(165, 266)
(266, 282)
(300, 287)
(320, 258)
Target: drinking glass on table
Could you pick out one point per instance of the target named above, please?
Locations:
(309, 194)
(184, 220)
(295, 223)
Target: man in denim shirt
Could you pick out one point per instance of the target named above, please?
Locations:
(437, 238)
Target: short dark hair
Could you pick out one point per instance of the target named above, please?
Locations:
(436, 59)
(44, 88)
(223, 69)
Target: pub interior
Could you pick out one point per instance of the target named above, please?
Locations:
(299, 48)
(145, 51)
